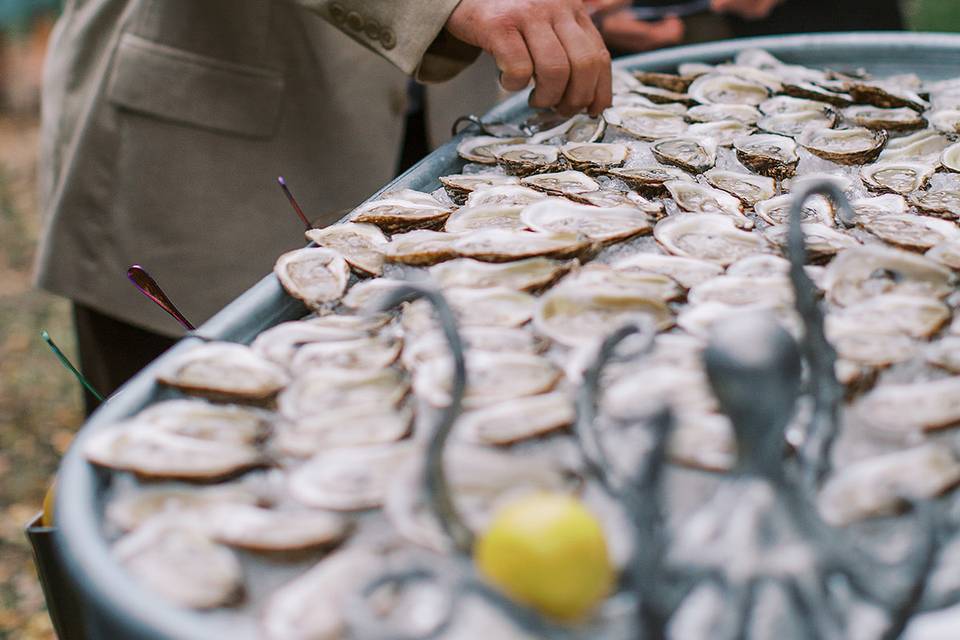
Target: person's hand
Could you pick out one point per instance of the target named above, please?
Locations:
(749, 9)
(623, 32)
(553, 42)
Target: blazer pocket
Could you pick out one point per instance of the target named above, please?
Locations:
(181, 86)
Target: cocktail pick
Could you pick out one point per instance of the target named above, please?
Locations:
(65, 361)
(149, 287)
(294, 203)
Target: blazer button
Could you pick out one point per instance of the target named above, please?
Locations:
(355, 21)
(373, 30)
(388, 39)
(337, 12)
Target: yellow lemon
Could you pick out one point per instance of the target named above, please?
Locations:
(47, 518)
(549, 552)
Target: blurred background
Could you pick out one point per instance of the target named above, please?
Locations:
(39, 401)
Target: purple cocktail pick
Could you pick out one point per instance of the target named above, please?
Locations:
(294, 203)
(149, 287)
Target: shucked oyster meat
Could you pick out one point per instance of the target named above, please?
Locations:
(515, 420)
(646, 123)
(865, 272)
(748, 188)
(572, 317)
(844, 146)
(707, 236)
(361, 245)
(502, 245)
(769, 155)
(597, 224)
(397, 214)
(224, 370)
(316, 276)
(695, 155)
(531, 274)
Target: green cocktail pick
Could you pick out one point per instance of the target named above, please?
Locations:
(65, 361)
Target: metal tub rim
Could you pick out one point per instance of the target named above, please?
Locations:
(105, 585)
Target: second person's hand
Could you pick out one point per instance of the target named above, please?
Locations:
(553, 42)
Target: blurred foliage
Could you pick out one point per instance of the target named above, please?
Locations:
(934, 15)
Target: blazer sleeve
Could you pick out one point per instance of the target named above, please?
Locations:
(408, 33)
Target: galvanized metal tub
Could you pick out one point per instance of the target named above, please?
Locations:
(115, 605)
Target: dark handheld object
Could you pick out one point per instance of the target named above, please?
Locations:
(293, 203)
(149, 287)
(65, 361)
(63, 601)
(679, 9)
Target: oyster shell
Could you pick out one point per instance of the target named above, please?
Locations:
(280, 343)
(131, 510)
(698, 320)
(793, 123)
(886, 95)
(348, 478)
(696, 197)
(574, 317)
(395, 214)
(945, 353)
(364, 295)
(646, 123)
(483, 149)
(759, 266)
(360, 354)
(224, 370)
(943, 202)
(788, 104)
(312, 605)
(707, 236)
(872, 349)
(320, 391)
(222, 443)
(924, 147)
(485, 217)
(492, 378)
(502, 245)
(724, 132)
(641, 393)
(879, 486)
(842, 182)
(594, 156)
(661, 96)
(900, 119)
(633, 282)
(742, 113)
(911, 231)
(916, 316)
(368, 323)
(516, 420)
(421, 247)
(934, 404)
(316, 276)
(619, 200)
(777, 210)
(564, 183)
(689, 272)
(769, 155)
(361, 245)
(650, 181)
(258, 529)
(946, 253)
(493, 306)
(864, 272)
(896, 177)
(668, 81)
(822, 242)
(879, 206)
(459, 186)
(695, 155)
(599, 225)
(844, 146)
(360, 425)
(727, 89)
(531, 274)
(748, 188)
(771, 291)
(811, 91)
(433, 344)
(528, 159)
(946, 121)
(950, 158)
(579, 128)
(508, 195)
(181, 564)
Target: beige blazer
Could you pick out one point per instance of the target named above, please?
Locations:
(167, 122)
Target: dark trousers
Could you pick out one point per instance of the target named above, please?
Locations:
(112, 351)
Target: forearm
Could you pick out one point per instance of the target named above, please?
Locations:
(408, 33)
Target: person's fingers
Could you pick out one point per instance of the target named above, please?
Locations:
(551, 68)
(603, 97)
(513, 59)
(586, 56)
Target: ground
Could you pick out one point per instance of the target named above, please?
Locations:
(39, 402)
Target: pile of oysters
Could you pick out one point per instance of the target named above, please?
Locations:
(277, 479)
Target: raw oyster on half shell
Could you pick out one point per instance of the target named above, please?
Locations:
(747, 187)
(224, 370)
(707, 236)
(314, 275)
(531, 274)
(599, 225)
(844, 146)
(695, 155)
(769, 155)
(361, 245)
